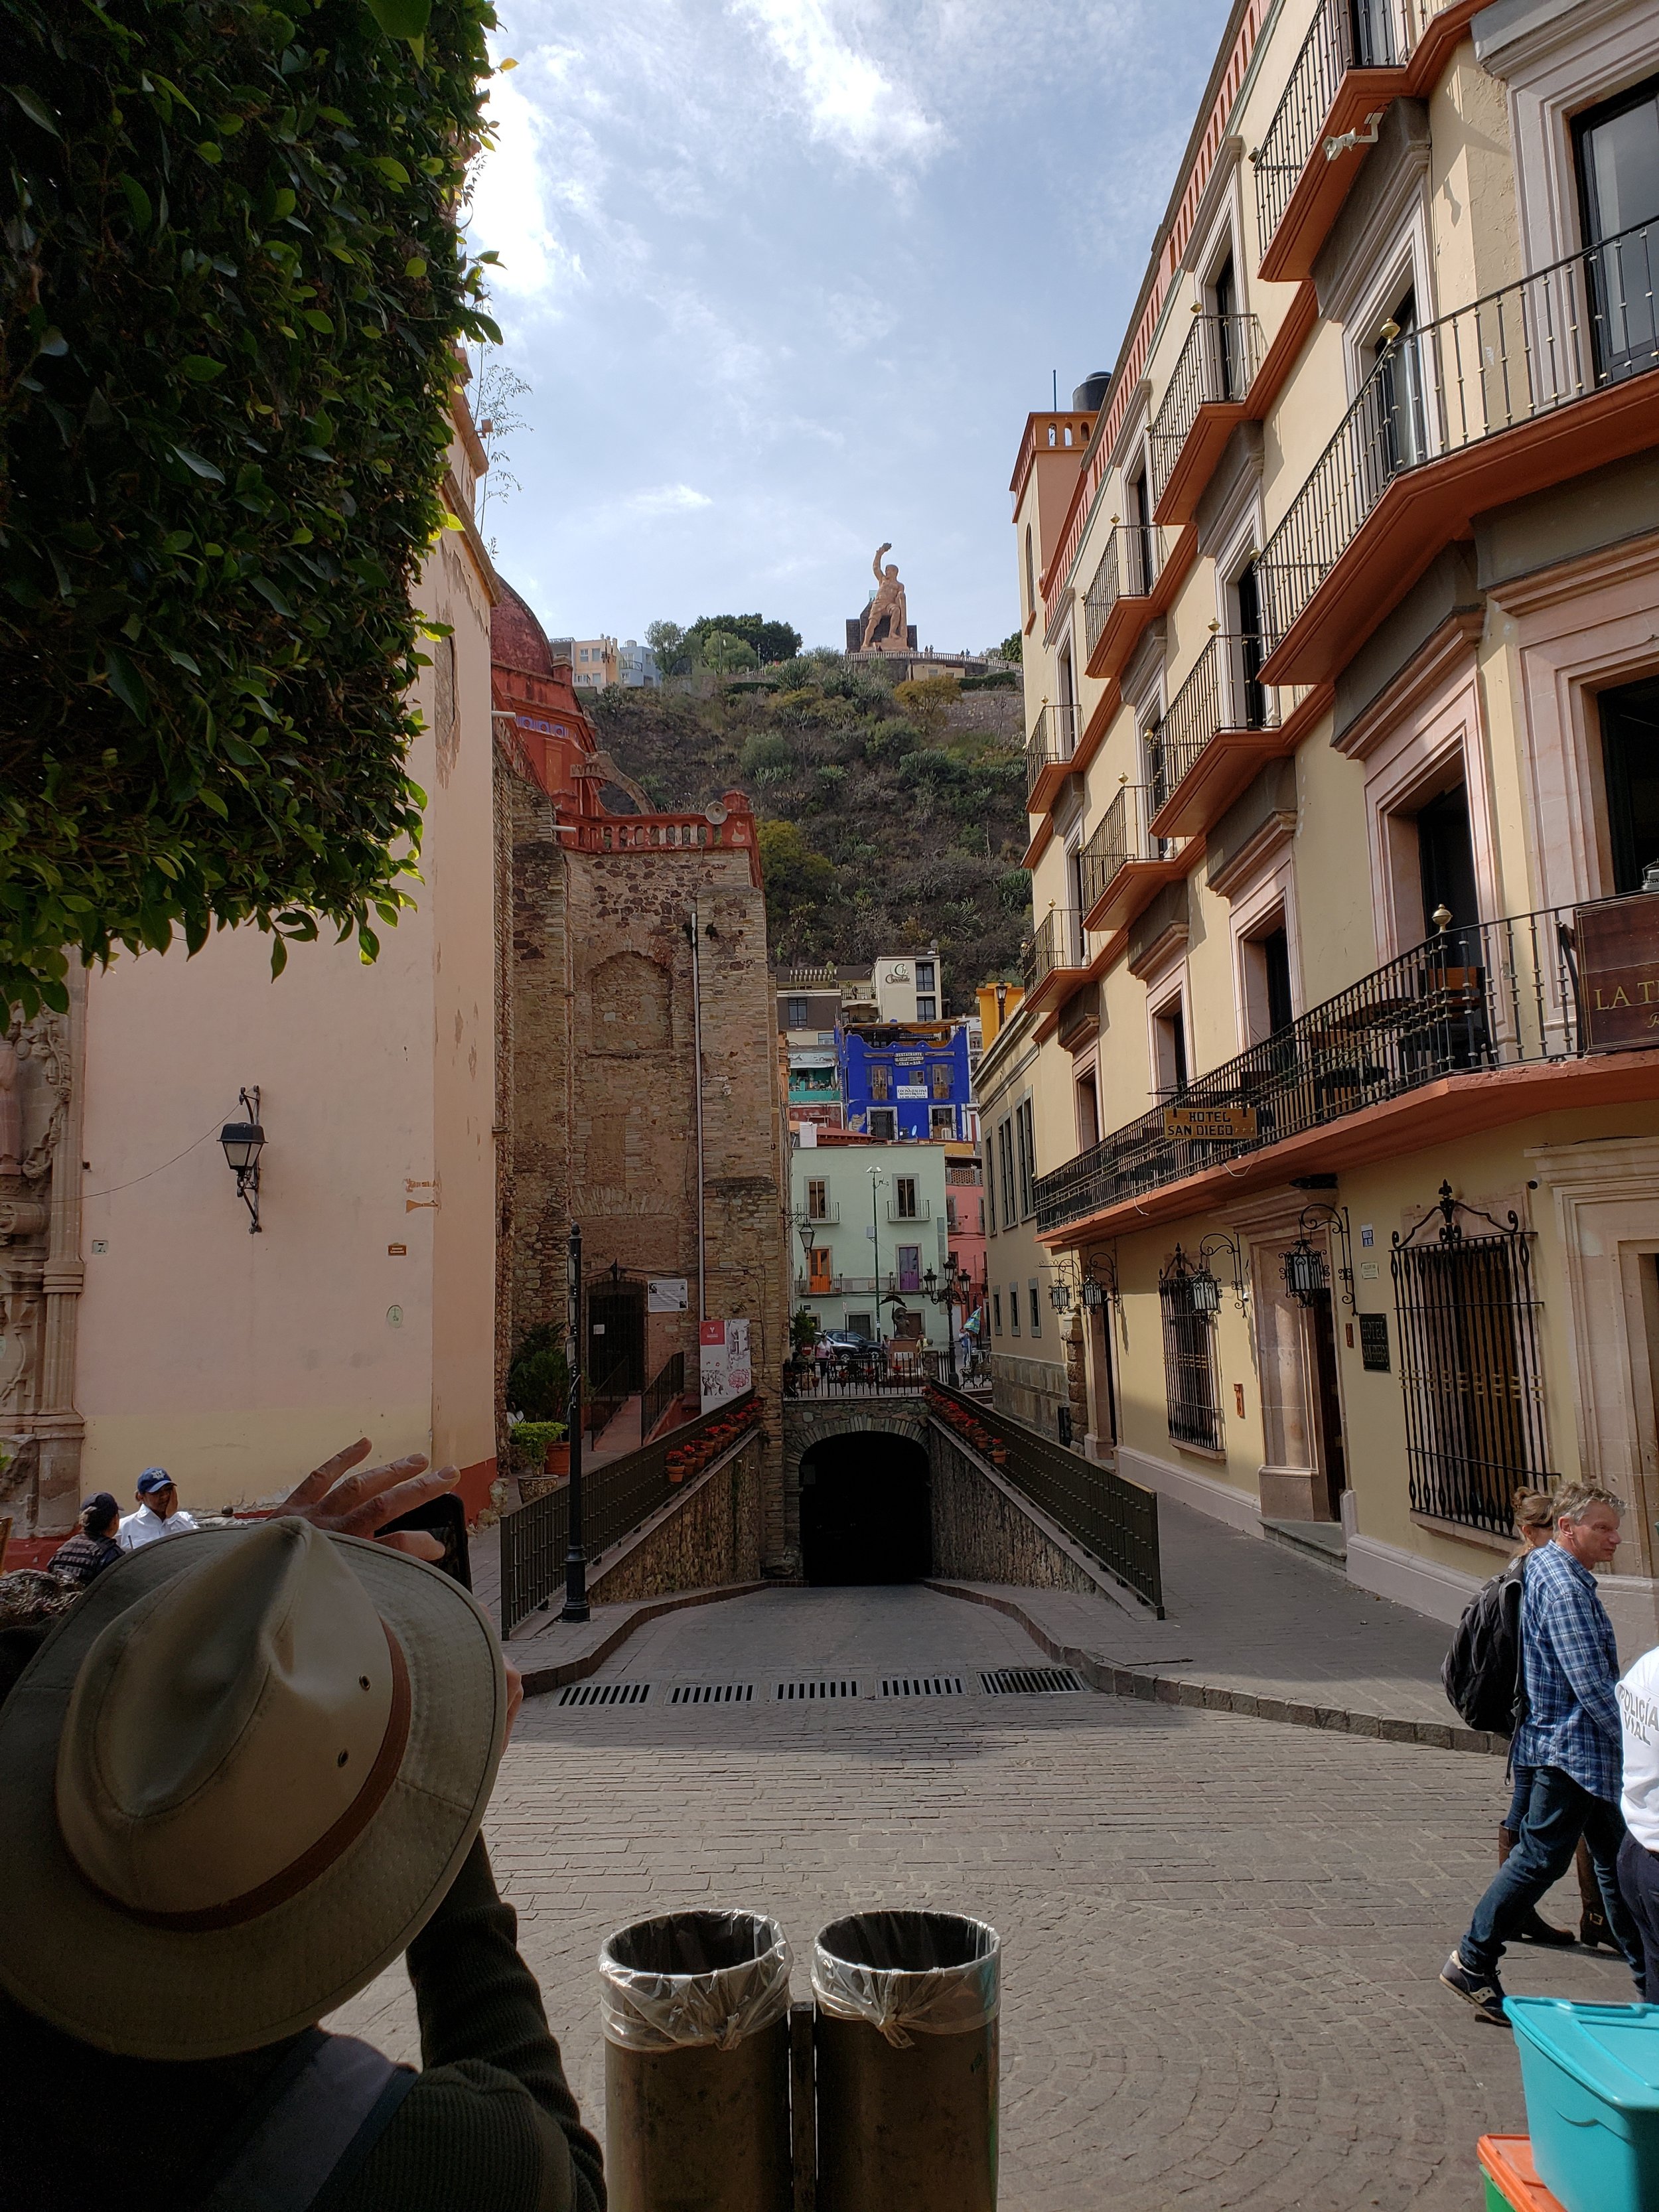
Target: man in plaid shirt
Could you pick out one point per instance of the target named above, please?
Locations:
(1571, 1738)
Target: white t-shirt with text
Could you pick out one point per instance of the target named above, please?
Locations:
(1638, 1711)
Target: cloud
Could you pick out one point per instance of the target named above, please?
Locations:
(851, 105)
(667, 499)
(512, 187)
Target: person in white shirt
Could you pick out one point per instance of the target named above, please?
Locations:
(1638, 1855)
(159, 1514)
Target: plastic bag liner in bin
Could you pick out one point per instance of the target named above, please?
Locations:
(909, 1973)
(691, 1980)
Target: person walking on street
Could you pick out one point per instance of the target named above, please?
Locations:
(83, 1556)
(1534, 1522)
(159, 1513)
(1571, 1740)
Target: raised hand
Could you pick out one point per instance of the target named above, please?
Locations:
(361, 1504)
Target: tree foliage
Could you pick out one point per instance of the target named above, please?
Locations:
(1012, 645)
(230, 305)
(767, 640)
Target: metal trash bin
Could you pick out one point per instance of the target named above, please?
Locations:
(906, 2062)
(695, 2010)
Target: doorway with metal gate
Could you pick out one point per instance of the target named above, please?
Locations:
(615, 1336)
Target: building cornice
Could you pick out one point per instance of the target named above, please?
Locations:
(1450, 646)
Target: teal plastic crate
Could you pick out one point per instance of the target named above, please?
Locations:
(1591, 2077)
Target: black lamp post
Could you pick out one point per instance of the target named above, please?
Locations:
(575, 1559)
(951, 1291)
(244, 1142)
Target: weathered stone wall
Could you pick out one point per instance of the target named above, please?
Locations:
(711, 1537)
(983, 1536)
(1029, 1390)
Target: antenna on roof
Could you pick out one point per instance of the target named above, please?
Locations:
(1056, 377)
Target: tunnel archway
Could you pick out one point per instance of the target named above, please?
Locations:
(865, 1510)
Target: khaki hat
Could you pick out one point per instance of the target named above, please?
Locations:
(240, 1775)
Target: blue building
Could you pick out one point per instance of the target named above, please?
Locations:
(899, 1082)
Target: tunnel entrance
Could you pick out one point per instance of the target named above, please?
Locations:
(866, 1511)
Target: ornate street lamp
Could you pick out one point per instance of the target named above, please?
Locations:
(1307, 1273)
(952, 1290)
(244, 1142)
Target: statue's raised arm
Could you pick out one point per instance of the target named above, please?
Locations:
(875, 566)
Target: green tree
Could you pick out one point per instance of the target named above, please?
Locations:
(927, 700)
(725, 653)
(798, 880)
(667, 642)
(230, 303)
(767, 640)
(1010, 645)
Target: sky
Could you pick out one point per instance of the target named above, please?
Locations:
(785, 278)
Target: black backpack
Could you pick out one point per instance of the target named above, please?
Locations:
(1481, 1674)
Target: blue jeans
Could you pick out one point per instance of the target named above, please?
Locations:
(1519, 1797)
(1558, 1811)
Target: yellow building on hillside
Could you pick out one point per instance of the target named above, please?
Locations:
(1322, 1155)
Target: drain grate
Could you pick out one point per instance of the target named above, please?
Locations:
(605, 1693)
(1018, 1681)
(712, 1693)
(805, 1690)
(921, 1686)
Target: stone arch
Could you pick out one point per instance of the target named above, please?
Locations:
(628, 1006)
(805, 1425)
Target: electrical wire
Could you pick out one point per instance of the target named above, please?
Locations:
(87, 1195)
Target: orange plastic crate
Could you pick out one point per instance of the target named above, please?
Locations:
(1511, 2177)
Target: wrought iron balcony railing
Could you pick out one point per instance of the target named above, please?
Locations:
(1491, 994)
(1344, 34)
(1121, 837)
(1224, 691)
(1129, 566)
(1056, 942)
(1215, 367)
(1521, 353)
(1051, 744)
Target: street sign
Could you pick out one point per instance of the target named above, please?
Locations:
(1224, 1125)
(667, 1294)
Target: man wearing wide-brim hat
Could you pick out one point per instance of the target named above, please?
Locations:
(242, 1774)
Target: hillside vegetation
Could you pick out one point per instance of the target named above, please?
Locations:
(890, 816)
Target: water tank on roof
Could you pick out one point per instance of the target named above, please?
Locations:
(1092, 392)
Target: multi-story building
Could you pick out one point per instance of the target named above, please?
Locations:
(872, 1222)
(1334, 1091)
(636, 665)
(594, 663)
(964, 1224)
(905, 1081)
(820, 1010)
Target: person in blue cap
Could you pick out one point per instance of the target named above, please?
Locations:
(92, 1547)
(159, 1513)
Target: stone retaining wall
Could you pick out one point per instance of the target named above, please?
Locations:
(711, 1535)
(983, 1536)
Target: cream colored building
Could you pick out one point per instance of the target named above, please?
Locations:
(1342, 694)
(160, 1329)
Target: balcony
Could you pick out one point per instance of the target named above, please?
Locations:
(920, 1209)
(1055, 958)
(1124, 866)
(1529, 386)
(826, 1218)
(1496, 1020)
(1205, 400)
(1216, 732)
(1358, 56)
(1049, 750)
(1118, 604)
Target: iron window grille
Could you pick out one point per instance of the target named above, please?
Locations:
(1191, 1383)
(1469, 1368)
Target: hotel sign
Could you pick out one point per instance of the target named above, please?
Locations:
(1617, 948)
(1224, 1125)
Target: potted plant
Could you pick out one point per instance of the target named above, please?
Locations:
(540, 1448)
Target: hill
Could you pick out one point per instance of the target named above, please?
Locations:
(889, 818)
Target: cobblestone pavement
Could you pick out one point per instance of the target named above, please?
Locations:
(1221, 1936)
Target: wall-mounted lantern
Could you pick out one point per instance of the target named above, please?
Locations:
(1307, 1273)
(1206, 1287)
(244, 1142)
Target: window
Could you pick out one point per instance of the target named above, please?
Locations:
(1036, 1309)
(1266, 968)
(1446, 859)
(1630, 767)
(1088, 1114)
(1170, 1047)
(990, 1192)
(1005, 1159)
(1192, 1387)
(1031, 576)
(927, 1010)
(938, 1078)
(942, 1122)
(904, 1198)
(1228, 364)
(996, 1313)
(820, 1272)
(909, 1266)
(1469, 1372)
(1013, 1308)
(1139, 544)
(881, 1080)
(883, 1122)
(817, 1200)
(924, 974)
(1618, 150)
(1250, 703)
(857, 1324)
(797, 1014)
(1026, 1133)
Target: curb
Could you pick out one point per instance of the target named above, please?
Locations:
(541, 1678)
(1148, 1688)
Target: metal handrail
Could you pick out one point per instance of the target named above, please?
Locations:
(602, 1404)
(1053, 741)
(1484, 995)
(1129, 566)
(1112, 1518)
(1224, 692)
(1582, 324)
(878, 1373)
(1056, 942)
(616, 1499)
(667, 1384)
(1217, 364)
(1122, 836)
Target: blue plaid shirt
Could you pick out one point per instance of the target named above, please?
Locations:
(1570, 1664)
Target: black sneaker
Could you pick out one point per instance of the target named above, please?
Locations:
(1483, 1990)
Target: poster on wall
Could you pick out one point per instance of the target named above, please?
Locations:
(667, 1294)
(727, 1369)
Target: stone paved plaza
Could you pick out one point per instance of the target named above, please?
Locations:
(1221, 1935)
